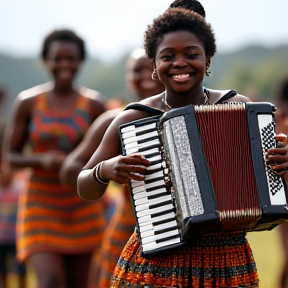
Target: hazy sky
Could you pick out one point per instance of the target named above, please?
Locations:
(112, 27)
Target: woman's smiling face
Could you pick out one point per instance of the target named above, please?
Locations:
(181, 61)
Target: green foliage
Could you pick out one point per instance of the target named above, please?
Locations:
(253, 71)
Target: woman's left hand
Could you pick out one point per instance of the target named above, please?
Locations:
(277, 158)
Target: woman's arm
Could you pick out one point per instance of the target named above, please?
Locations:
(76, 160)
(114, 167)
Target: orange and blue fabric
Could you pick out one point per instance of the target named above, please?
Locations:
(51, 217)
(116, 236)
(216, 260)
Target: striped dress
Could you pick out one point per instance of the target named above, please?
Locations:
(53, 218)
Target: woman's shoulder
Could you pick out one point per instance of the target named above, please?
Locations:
(91, 94)
(27, 97)
(35, 91)
(95, 101)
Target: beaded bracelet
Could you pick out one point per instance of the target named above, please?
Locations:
(96, 174)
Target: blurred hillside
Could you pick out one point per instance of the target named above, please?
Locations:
(253, 71)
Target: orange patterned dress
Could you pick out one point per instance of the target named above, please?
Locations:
(116, 236)
(51, 217)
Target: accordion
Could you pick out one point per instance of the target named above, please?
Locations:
(207, 173)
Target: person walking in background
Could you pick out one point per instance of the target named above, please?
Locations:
(140, 84)
(281, 100)
(11, 185)
(56, 230)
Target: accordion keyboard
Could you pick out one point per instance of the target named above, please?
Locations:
(153, 204)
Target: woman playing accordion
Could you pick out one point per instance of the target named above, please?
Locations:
(180, 44)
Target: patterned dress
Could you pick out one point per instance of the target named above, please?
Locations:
(222, 260)
(116, 236)
(53, 218)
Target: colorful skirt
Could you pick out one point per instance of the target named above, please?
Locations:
(52, 218)
(116, 236)
(217, 260)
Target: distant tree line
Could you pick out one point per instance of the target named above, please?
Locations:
(253, 71)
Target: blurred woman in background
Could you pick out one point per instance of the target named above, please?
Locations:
(56, 230)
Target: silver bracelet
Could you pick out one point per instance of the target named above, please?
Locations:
(96, 174)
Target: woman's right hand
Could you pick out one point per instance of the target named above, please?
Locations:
(52, 160)
(121, 169)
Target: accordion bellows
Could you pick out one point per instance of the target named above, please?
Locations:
(208, 173)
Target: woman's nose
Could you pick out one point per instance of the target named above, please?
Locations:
(180, 62)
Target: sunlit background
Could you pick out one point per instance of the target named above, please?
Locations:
(252, 40)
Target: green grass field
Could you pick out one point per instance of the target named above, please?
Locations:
(266, 248)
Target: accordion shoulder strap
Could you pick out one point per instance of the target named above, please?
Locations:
(141, 107)
(227, 96)
(153, 111)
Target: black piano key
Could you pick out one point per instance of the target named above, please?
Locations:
(153, 180)
(165, 230)
(168, 238)
(152, 206)
(156, 187)
(148, 139)
(162, 213)
(148, 172)
(157, 223)
(158, 195)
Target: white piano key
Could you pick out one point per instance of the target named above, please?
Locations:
(158, 174)
(154, 210)
(139, 137)
(150, 193)
(141, 145)
(161, 236)
(147, 186)
(144, 153)
(148, 220)
(153, 229)
(145, 203)
(150, 151)
(155, 166)
(139, 128)
(153, 246)
(155, 158)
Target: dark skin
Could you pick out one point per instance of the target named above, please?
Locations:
(63, 62)
(181, 63)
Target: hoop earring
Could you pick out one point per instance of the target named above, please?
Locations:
(154, 75)
(208, 73)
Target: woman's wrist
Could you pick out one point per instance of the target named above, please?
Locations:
(97, 174)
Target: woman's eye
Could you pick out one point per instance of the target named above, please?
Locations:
(166, 57)
(56, 59)
(192, 56)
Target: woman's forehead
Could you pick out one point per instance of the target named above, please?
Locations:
(179, 38)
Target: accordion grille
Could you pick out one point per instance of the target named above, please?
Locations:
(226, 144)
